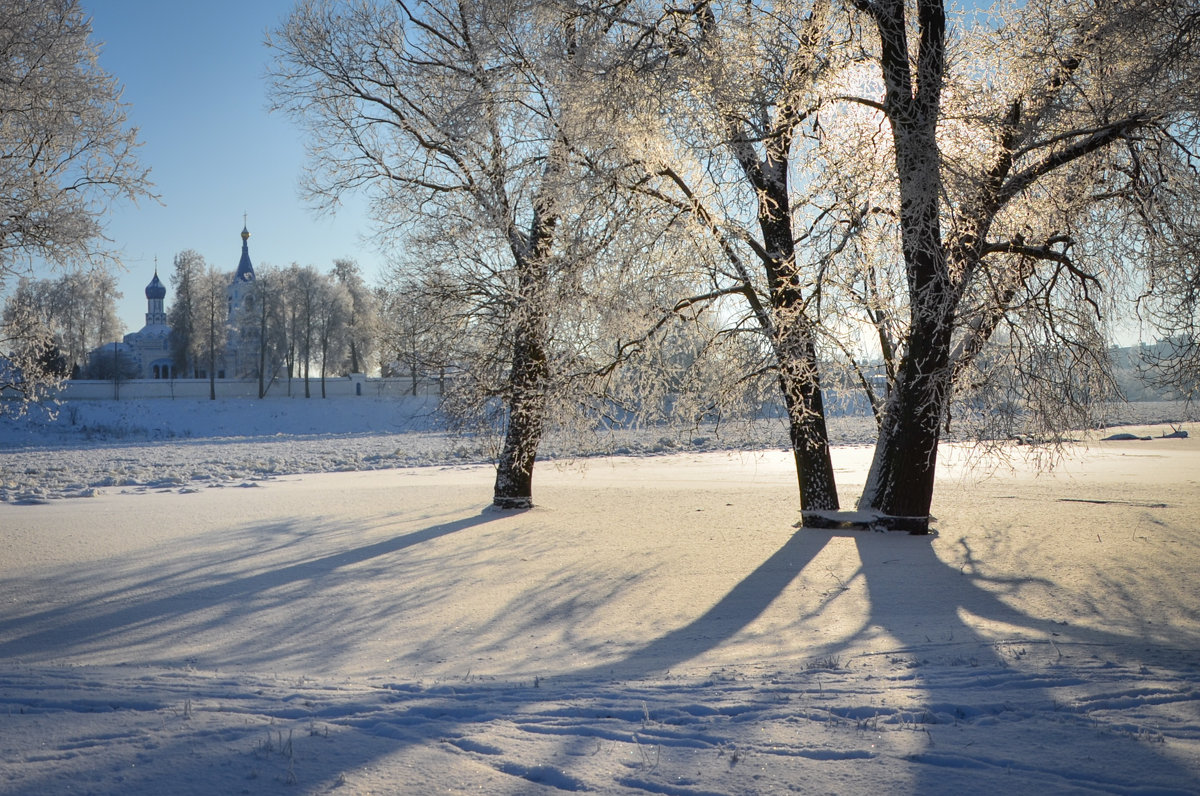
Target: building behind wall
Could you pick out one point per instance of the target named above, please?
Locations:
(146, 354)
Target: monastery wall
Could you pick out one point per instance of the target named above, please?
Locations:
(342, 387)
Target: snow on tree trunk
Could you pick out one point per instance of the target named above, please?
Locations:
(900, 483)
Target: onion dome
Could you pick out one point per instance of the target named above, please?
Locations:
(156, 290)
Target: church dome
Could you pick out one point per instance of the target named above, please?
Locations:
(155, 290)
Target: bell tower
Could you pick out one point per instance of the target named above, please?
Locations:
(155, 293)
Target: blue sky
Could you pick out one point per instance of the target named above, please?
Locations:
(194, 79)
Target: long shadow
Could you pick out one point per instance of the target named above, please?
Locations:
(934, 614)
(77, 625)
(730, 615)
(929, 616)
(923, 611)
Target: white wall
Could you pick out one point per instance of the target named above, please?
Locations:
(342, 387)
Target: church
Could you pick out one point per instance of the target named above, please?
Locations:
(147, 353)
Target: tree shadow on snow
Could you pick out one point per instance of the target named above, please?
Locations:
(246, 575)
(946, 622)
(960, 635)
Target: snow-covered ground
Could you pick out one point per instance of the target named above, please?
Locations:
(84, 446)
(656, 625)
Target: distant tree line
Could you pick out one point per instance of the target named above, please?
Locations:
(298, 323)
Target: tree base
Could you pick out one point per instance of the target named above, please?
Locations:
(519, 503)
(864, 521)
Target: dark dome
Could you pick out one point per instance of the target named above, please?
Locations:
(155, 289)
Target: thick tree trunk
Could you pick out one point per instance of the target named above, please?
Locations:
(901, 480)
(900, 483)
(798, 379)
(526, 412)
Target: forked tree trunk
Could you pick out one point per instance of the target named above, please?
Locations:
(900, 483)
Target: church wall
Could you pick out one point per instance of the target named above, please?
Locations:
(339, 388)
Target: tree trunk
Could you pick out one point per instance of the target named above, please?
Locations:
(324, 358)
(900, 483)
(795, 350)
(798, 379)
(527, 400)
(526, 420)
(901, 480)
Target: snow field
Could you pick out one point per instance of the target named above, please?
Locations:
(655, 625)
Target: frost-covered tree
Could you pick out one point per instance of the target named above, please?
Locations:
(303, 290)
(210, 323)
(362, 320)
(719, 103)
(75, 313)
(334, 308)
(66, 149)
(452, 115)
(188, 269)
(1018, 146)
(263, 323)
(423, 319)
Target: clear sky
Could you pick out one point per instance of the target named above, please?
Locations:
(194, 77)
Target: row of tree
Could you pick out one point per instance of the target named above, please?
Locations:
(63, 319)
(795, 182)
(297, 318)
(294, 319)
